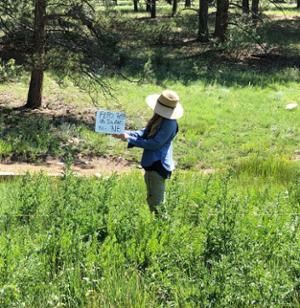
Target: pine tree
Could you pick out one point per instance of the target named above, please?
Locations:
(221, 19)
(203, 21)
(64, 36)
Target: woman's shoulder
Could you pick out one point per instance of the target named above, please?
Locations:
(169, 123)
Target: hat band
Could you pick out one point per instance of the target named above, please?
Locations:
(165, 105)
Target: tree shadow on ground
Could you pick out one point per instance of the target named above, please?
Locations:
(177, 56)
(34, 135)
(259, 69)
(281, 32)
(158, 52)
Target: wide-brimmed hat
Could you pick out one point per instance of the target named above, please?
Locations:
(166, 104)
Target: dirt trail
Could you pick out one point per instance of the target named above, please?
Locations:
(55, 167)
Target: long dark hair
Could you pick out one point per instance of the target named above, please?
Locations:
(153, 125)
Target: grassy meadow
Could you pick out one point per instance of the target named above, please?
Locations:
(224, 126)
(219, 241)
(229, 232)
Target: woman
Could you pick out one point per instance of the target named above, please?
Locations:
(156, 140)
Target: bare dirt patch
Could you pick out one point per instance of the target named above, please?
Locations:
(54, 167)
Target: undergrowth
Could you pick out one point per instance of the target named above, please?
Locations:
(80, 242)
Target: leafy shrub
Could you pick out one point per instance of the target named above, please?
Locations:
(37, 139)
(9, 71)
(241, 38)
(5, 148)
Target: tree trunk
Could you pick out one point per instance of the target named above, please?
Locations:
(34, 99)
(148, 6)
(188, 3)
(174, 7)
(221, 19)
(246, 7)
(298, 4)
(203, 21)
(254, 9)
(135, 5)
(153, 8)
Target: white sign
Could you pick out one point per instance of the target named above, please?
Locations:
(110, 122)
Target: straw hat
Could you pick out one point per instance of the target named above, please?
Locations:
(166, 104)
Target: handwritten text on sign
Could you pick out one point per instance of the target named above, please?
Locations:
(110, 122)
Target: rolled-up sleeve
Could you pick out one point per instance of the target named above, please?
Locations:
(165, 132)
(135, 133)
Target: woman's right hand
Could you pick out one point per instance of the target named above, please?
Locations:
(117, 136)
(123, 137)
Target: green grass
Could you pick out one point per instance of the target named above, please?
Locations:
(221, 126)
(92, 242)
(231, 239)
(234, 109)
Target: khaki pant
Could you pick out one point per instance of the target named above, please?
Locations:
(155, 189)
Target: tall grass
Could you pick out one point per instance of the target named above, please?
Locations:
(278, 168)
(79, 242)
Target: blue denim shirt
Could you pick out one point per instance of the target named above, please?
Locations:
(158, 147)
